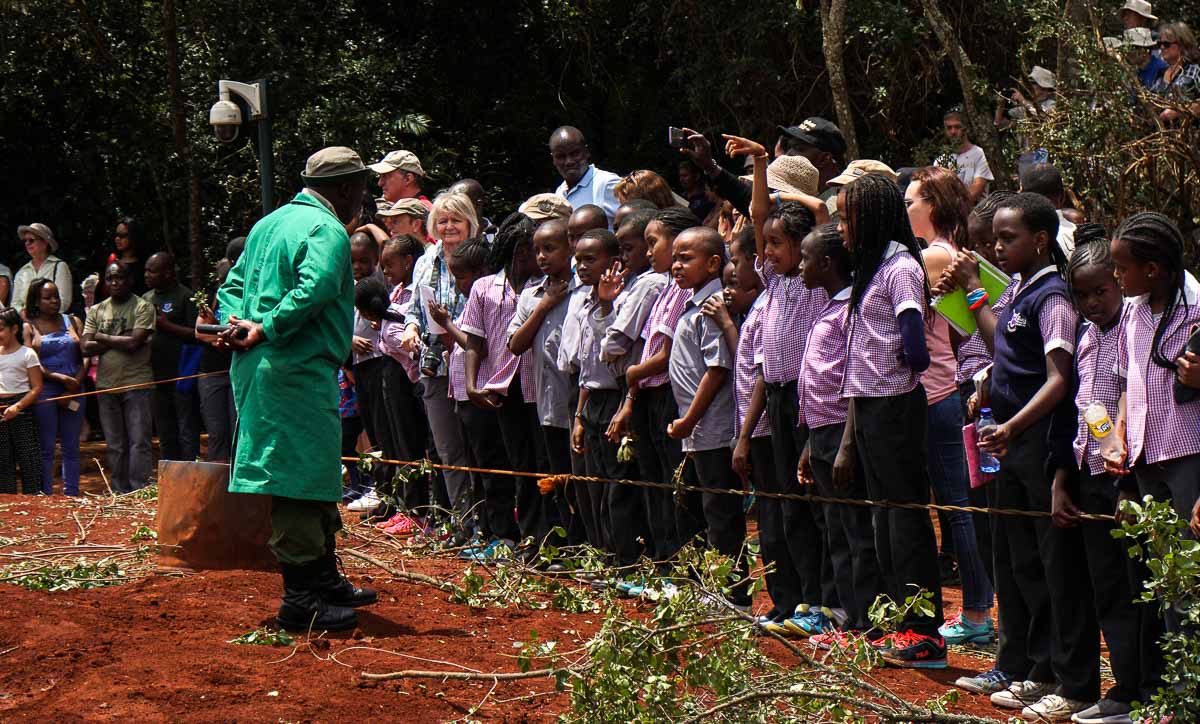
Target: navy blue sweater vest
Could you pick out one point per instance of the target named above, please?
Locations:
(1019, 363)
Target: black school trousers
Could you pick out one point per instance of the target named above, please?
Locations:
(619, 511)
(483, 436)
(890, 434)
(658, 458)
(560, 505)
(1131, 629)
(519, 430)
(1043, 591)
(408, 430)
(372, 408)
(849, 529)
(811, 579)
(723, 516)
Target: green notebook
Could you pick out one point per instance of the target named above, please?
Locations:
(953, 306)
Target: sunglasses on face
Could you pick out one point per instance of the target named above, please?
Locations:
(1166, 43)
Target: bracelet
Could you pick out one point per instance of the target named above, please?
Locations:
(775, 198)
(630, 397)
(979, 302)
(975, 295)
(578, 415)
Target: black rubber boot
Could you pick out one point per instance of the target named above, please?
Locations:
(337, 590)
(304, 606)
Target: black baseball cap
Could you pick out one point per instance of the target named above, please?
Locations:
(818, 133)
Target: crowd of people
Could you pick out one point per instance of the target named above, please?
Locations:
(773, 332)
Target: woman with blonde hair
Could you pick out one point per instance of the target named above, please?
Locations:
(643, 184)
(1181, 80)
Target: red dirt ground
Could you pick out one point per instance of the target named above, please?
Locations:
(156, 648)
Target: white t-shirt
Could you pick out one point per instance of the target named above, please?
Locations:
(969, 165)
(14, 377)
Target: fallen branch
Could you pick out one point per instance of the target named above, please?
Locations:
(883, 712)
(404, 575)
(464, 675)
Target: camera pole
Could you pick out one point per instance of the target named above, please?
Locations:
(266, 152)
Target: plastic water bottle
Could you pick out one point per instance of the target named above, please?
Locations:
(987, 461)
(1101, 426)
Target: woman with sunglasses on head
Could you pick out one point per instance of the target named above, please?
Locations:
(129, 248)
(1180, 83)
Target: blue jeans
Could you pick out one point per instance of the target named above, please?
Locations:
(947, 472)
(128, 428)
(60, 424)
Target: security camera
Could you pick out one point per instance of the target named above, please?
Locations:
(226, 119)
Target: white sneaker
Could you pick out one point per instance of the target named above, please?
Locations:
(368, 501)
(1053, 707)
(1021, 694)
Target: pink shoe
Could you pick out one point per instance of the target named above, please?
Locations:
(390, 521)
(833, 639)
(404, 527)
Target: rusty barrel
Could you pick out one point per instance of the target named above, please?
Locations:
(202, 526)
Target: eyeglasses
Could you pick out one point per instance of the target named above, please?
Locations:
(1167, 43)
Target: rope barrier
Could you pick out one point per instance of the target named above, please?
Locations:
(124, 388)
(562, 478)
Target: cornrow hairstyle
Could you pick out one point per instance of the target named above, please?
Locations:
(876, 217)
(472, 254)
(405, 244)
(516, 229)
(371, 300)
(639, 220)
(1087, 233)
(832, 245)
(794, 220)
(612, 247)
(743, 243)
(1152, 237)
(1093, 250)
(676, 219)
(1039, 215)
(985, 210)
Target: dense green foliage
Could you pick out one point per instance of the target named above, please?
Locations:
(473, 88)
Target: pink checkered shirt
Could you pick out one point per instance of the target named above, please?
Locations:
(820, 385)
(749, 353)
(457, 366)
(789, 315)
(1156, 428)
(873, 346)
(391, 332)
(1095, 364)
(489, 309)
(973, 354)
(660, 326)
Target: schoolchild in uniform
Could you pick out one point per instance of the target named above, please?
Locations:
(1048, 635)
(830, 458)
(535, 331)
(1160, 424)
(649, 406)
(886, 353)
(790, 311)
(1081, 485)
(700, 369)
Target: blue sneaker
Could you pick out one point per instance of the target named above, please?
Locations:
(959, 630)
(473, 546)
(987, 683)
(816, 621)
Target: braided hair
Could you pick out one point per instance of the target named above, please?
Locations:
(676, 219)
(473, 254)
(515, 230)
(830, 244)
(875, 217)
(793, 219)
(1090, 249)
(1152, 237)
(985, 210)
(371, 300)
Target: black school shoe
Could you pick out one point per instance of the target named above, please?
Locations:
(304, 606)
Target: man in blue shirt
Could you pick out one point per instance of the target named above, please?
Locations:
(583, 183)
(1140, 43)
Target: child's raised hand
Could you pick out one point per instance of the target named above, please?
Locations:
(715, 309)
(737, 146)
(611, 283)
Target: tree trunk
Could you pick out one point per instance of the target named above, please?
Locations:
(179, 129)
(833, 27)
(979, 120)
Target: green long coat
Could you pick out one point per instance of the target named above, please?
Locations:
(294, 278)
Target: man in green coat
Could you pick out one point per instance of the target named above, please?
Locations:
(292, 292)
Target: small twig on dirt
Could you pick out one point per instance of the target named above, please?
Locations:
(462, 675)
(104, 477)
(10, 650)
(403, 575)
(397, 653)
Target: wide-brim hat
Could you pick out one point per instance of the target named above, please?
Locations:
(1043, 77)
(1139, 7)
(41, 231)
(793, 174)
(410, 206)
(333, 163)
(862, 167)
(1140, 38)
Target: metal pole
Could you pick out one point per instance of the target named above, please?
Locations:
(266, 152)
